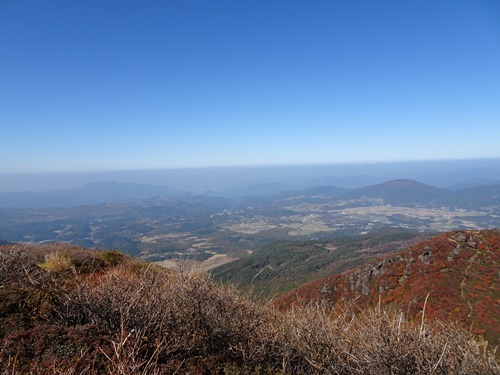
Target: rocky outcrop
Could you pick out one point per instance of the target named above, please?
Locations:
(457, 272)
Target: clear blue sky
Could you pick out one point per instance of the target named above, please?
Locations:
(103, 85)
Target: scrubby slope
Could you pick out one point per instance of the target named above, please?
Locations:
(459, 271)
(65, 310)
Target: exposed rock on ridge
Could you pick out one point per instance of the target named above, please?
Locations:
(457, 272)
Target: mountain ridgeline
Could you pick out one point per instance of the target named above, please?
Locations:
(409, 192)
(397, 192)
(92, 193)
(401, 192)
(454, 276)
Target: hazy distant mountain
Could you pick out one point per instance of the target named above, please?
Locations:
(108, 191)
(349, 182)
(440, 173)
(463, 176)
(262, 189)
(317, 194)
(395, 192)
(400, 192)
(403, 192)
(28, 199)
(473, 183)
(328, 190)
(93, 193)
(409, 192)
(475, 198)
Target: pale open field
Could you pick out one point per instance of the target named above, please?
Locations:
(214, 261)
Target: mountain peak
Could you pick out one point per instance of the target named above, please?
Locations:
(402, 191)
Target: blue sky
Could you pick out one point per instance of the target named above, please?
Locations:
(105, 85)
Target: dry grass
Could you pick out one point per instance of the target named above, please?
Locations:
(58, 261)
(136, 318)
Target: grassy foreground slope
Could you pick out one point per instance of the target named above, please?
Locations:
(66, 310)
(456, 275)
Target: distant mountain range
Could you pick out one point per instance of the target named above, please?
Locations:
(400, 192)
(349, 182)
(448, 174)
(473, 183)
(408, 193)
(395, 192)
(454, 276)
(476, 197)
(93, 193)
(158, 223)
(413, 192)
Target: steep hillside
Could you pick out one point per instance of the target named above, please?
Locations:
(279, 267)
(457, 272)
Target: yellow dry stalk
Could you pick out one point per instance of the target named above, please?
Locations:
(58, 261)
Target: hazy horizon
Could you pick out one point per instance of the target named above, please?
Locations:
(441, 173)
(104, 86)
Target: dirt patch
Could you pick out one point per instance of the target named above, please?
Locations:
(212, 262)
(216, 260)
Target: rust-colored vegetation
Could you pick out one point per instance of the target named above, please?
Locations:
(111, 314)
(457, 273)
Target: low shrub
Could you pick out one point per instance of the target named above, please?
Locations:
(112, 257)
(137, 318)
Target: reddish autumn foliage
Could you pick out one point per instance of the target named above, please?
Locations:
(457, 273)
(76, 312)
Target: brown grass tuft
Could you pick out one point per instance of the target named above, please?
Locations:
(58, 261)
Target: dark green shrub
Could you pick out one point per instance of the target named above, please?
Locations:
(112, 257)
